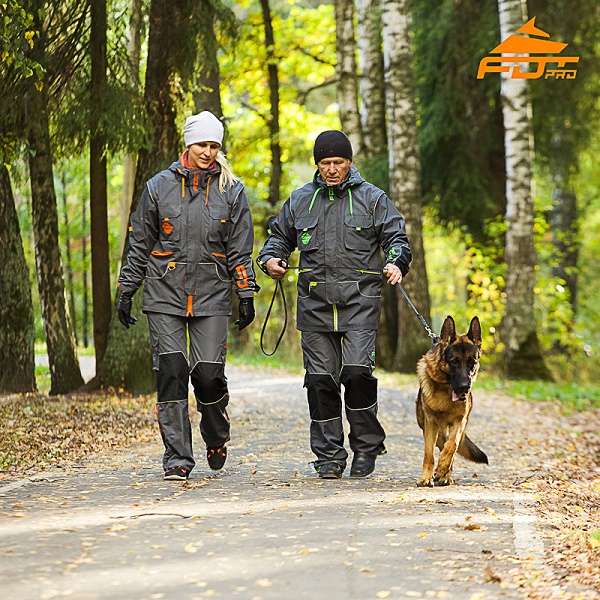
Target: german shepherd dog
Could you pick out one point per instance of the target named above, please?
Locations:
(444, 403)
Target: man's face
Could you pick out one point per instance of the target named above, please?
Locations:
(203, 154)
(334, 169)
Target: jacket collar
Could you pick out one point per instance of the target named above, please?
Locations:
(182, 167)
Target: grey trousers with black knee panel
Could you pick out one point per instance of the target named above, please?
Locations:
(175, 364)
(333, 359)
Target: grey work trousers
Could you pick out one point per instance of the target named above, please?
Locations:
(333, 359)
(204, 364)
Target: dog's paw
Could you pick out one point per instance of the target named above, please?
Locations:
(442, 481)
(425, 483)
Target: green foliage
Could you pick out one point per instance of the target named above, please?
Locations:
(17, 32)
(573, 396)
(305, 51)
(460, 119)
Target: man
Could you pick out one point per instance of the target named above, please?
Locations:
(339, 223)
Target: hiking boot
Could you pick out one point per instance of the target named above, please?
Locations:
(363, 464)
(216, 457)
(330, 470)
(176, 473)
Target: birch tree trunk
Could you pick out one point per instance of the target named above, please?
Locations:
(372, 87)
(373, 163)
(17, 330)
(522, 352)
(405, 176)
(345, 70)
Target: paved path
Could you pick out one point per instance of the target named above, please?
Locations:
(266, 527)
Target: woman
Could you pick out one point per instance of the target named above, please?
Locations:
(190, 237)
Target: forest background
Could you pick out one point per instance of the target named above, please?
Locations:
(93, 97)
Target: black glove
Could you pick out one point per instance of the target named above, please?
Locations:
(246, 313)
(124, 310)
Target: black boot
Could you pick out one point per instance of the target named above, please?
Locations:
(330, 470)
(363, 464)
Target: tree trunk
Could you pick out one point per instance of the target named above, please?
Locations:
(345, 69)
(522, 352)
(85, 316)
(101, 293)
(65, 374)
(207, 95)
(372, 86)
(17, 330)
(405, 176)
(275, 179)
(564, 220)
(128, 361)
(134, 45)
(373, 162)
(69, 262)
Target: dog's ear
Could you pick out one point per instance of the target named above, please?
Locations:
(448, 334)
(474, 333)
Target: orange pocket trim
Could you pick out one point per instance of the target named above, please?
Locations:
(157, 253)
(219, 255)
(190, 312)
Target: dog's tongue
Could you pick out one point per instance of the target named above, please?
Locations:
(455, 397)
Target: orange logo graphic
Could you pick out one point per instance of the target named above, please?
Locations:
(528, 46)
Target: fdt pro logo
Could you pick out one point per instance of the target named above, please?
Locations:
(520, 49)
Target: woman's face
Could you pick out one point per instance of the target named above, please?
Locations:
(202, 154)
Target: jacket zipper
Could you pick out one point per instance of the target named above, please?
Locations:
(335, 317)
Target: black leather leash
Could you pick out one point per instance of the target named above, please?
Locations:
(434, 338)
(278, 285)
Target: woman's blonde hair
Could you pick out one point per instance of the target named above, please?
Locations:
(226, 177)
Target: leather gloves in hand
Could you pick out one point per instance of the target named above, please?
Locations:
(124, 310)
(246, 313)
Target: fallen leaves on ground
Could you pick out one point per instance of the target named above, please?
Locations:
(564, 475)
(37, 432)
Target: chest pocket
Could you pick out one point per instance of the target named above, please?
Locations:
(358, 232)
(219, 223)
(169, 223)
(306, 233)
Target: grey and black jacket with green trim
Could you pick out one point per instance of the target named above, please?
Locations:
(339, 231)
(189, 242)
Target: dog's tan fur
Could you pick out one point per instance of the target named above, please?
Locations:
(448, 371)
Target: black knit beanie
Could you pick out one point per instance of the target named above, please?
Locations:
(332, 143)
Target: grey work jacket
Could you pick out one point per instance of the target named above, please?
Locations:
(190, 242)
(339, 231)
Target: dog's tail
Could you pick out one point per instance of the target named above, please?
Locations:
(467, 449)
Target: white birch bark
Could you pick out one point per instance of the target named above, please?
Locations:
(347, 79)
(372, 88)
(519, 327)
(405, 173)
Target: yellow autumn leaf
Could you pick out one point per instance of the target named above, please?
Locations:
(383, 594)
(190, 549)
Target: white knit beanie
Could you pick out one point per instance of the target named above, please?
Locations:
(203, 127)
